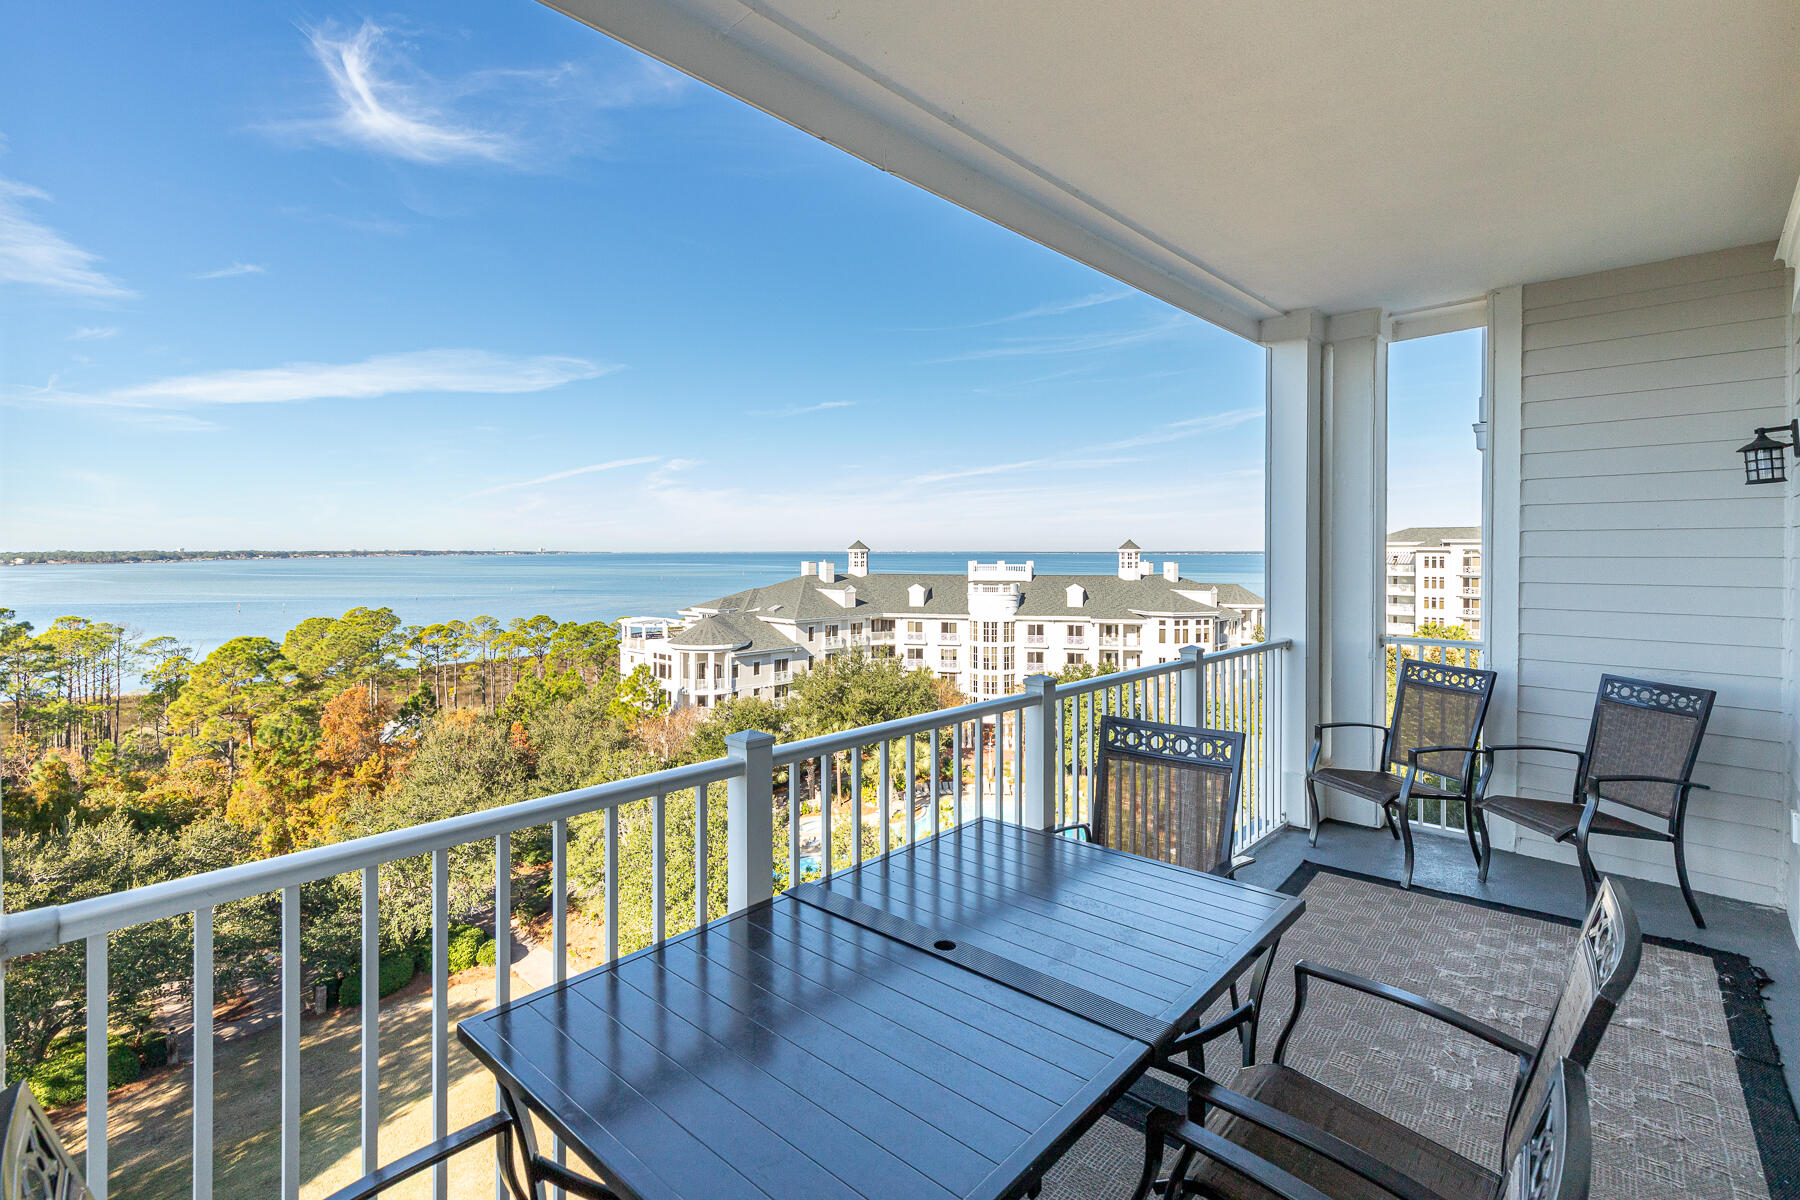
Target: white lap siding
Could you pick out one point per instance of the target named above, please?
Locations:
(1642, 551)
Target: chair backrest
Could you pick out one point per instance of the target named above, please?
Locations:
(1606, 961)
(1555, 1158)
(33, 1162)
(1646, 728)
(1437, 704)
(1168, 792)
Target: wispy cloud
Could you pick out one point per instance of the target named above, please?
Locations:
(614, 465)
(236, 268)
(1187, 428)
(802, 410)
(381, 100)
(458, 371)
(313, 216)
(1074, 343)
(93, 333)
(35, 254)
(1057, 308)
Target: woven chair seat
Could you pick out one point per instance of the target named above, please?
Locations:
(1379, 786)
(1555, 818)
(1442, 1170)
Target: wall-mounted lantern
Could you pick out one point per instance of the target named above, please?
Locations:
(1765, 459)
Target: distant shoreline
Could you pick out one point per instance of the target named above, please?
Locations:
(88, 558)
(95, 558)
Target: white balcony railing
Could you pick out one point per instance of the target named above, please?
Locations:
(1075, 639)
(1035, 639)
(1109, 640)
(834, 643)
(1029, 757)
(918, 637)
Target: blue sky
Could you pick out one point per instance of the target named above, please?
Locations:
(472, 275)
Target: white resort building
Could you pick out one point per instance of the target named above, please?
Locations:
(1434, 577)
(984, 630)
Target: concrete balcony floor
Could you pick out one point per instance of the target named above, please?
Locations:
(1444, 864)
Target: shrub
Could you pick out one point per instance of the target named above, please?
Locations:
(465, 945)
(486, 955)
(62, 1077)
(154, 1049)
(397, 970)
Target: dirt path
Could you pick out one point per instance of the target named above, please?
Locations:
(151, 1121)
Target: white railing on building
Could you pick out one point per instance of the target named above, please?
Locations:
(911, 636)
(1075, 639)
(834, 643)
(1035, 639)
(952, 638)
(1030, 758)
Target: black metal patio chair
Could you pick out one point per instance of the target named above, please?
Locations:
(526, 1174)
(1279, 1130)
(1170, 792)
(1643, 742)
(1438, 713)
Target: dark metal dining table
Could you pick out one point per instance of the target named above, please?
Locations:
(942, 1021)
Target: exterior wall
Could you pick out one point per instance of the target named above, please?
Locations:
(955, 647)
(1641, 550)
(1440, 584)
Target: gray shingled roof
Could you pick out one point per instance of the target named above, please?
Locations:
(858, 545)
(804, 598)
(738, 631)
(1435, 535)
(1128, 544)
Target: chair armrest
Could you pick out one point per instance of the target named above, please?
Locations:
(1087, 832)
(1412, 756)
(1489, 751)
(1326, 1145)
(1200, 1037)
(1318, 742)
(1680, 783)
(1239, 862)
(426, 1156)
(1304, 971)
(1165, 1126)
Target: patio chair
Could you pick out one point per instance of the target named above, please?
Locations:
(503, 1127)
(1170, 792)
(33, 1161)
(1643, 741)
(1282, 1131)
(1438, 712)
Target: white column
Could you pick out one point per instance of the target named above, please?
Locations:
(1193, 687)
(1295, 341)
(1503, 410)
(1037, 809)
(750, 819)
(1353, 538)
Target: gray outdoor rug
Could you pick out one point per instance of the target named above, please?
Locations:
(1688, 1095)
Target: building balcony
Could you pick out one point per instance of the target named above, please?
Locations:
(949, 639)
(1035, 639)
(836, 643)
(947, 664)
(1075, 639)
(1109, 641)
(915, 638)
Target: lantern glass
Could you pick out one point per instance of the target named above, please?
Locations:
(1765, 460)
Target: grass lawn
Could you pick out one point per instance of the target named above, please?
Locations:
(151, 1121)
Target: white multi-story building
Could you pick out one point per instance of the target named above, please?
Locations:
(984, 630)
(1434, 576)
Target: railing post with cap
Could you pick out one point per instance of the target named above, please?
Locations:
(750, 818)
(1037, 809)
(1193, 687)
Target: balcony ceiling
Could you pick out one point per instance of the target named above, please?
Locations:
(1245, 160)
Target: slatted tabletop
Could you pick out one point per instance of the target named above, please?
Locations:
(939, 1022)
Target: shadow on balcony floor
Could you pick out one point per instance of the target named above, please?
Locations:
(1445, 865)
